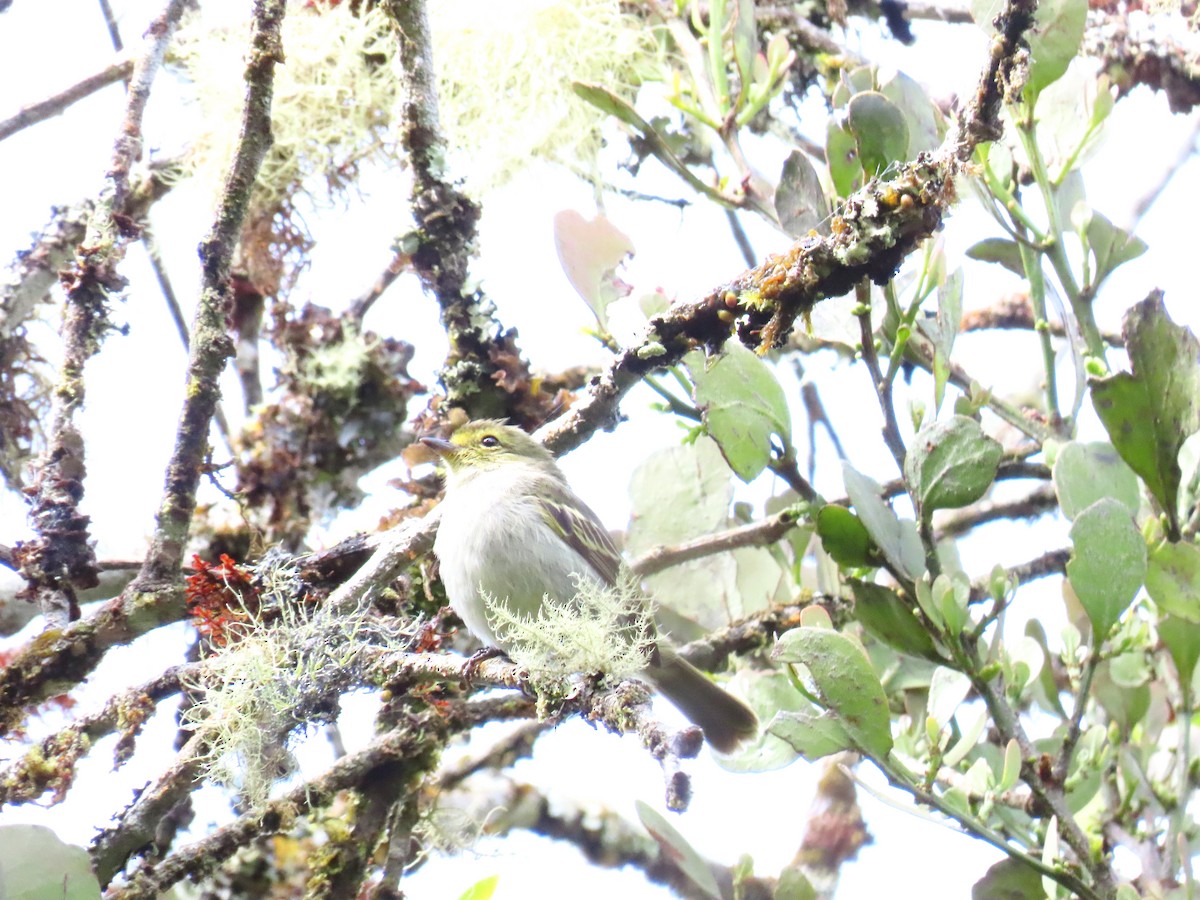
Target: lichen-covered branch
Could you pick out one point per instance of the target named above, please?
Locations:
(61, 559)
(870, 236)
(155, 596)
(444, 240)
(1147, 50)
(50, 766)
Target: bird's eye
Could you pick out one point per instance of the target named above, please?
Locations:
(489, 440)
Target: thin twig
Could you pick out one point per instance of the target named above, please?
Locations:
(883, 388)
(121, 70)
(1036, 503)
(110, 22)
(756, 534)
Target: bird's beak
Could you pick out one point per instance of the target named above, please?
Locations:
(439, 446)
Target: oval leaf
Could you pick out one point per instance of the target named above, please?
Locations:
(800, 200)
(845, 683)
(1150, 412)
(889, 619)
(1085, 473)
(743, 407)
(812, 736)
(844, 536)
(951, 463)
(880, 131)
(1173, 580)
(1108, 563)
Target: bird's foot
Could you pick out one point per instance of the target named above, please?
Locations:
(470, 669)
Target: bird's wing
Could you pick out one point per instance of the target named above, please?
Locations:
(570, 518)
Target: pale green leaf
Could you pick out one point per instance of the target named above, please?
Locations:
(800, 200)
(1085, 473)
(880, 131)
(679, 851)
(743, 407)
(1108, 563)
(845, 683)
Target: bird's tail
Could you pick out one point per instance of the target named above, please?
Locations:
(725, 720)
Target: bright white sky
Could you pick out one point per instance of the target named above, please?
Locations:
(47, 46)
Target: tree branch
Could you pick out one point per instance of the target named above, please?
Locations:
(120, 70)
(155, 596)
(61, 558)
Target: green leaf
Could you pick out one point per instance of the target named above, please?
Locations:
(1110, 246)
(679, 494)
(844, 537)
(793, 884)
(898, 540)
(1011, 773)
(924, 121)
(1150, 412)
(743, 407)
(844, 681)
(841, 154)
(1108, 563)
(1001, 251)
(1053, 41)
(1085, 473)
(679, 851)
(768, 694)
(951, 463)
(1173, 579)
(799, 199)
(590, 251)
(1126, 705)
(36, 864)
(947, 690)
(949, 319)
(880, 131)
(811, 735)
(1182, 638)
(482, 889)
(887, 618)
(1009, 879)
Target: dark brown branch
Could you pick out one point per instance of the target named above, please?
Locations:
(1052, 562)
(757, 632)
(398, 264)
(60, 559)
(121, 70)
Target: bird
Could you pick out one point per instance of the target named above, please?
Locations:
(512, 532)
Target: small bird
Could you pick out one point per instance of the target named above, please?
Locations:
(513, 532)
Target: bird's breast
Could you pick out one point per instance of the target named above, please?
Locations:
(494, 542)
